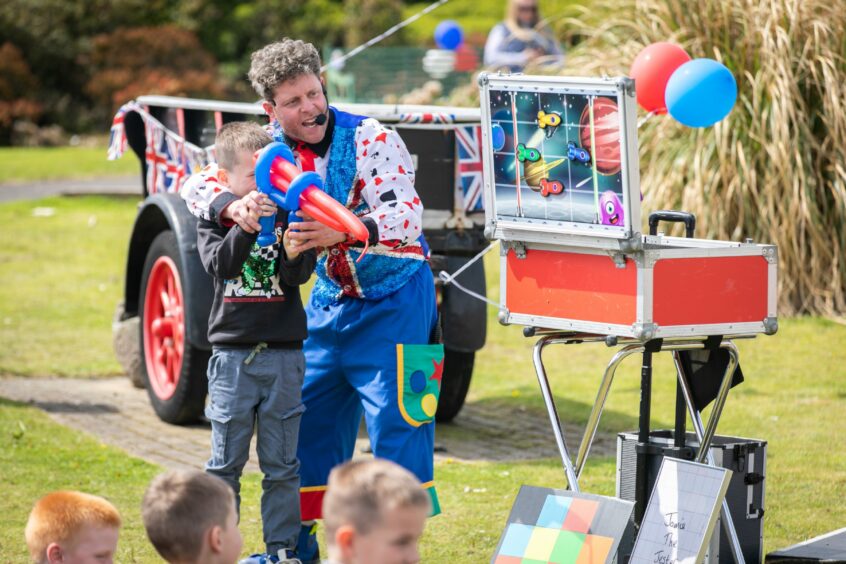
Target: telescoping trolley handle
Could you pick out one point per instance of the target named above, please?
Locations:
(688, 219)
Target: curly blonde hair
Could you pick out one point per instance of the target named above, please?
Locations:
(283, 60)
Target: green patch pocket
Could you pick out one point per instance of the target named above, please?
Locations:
(419, 372)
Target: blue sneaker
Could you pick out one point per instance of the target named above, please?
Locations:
(307, 549)
(283, 557)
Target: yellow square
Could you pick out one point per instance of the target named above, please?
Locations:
(541, 544)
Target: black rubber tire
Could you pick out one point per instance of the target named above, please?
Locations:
(458, 369)
(188, 400)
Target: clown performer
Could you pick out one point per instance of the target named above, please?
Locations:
(371, 318)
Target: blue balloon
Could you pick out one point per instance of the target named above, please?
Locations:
(700, 93)
(448, 35)
(497, 137)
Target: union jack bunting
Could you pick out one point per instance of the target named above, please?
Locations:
(169, 158)
(117, 135)
(422, 117)
(468, 165)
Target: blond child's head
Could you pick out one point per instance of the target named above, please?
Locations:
(69, 526)
(190, 516)
(374, 512)
(235, 144)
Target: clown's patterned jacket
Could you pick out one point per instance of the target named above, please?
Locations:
(372, 174)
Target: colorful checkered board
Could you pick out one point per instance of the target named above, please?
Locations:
(562, 527)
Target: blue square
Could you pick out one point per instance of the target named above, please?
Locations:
(516, 539)
(554, 512)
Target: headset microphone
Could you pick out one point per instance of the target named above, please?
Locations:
(321, 119)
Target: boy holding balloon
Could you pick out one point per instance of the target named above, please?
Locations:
(256, 328)
(371, 318)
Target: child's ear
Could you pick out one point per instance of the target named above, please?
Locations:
(54, 553)
(215, 537)
(223, 176)
(345, 540)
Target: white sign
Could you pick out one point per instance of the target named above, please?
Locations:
(681, 513)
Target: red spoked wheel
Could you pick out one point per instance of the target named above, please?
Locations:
(174, 370)
(164, 327)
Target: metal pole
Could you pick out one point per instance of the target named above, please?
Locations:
(642, 457)
(572, 479)
(696, 419)
(719, 402)
(599, 404)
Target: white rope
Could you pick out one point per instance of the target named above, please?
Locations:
(450, 278)
(384, 35)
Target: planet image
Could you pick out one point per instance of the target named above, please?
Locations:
(497, 137)
(606, 125)
(534, 172)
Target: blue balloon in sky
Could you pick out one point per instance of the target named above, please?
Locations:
(497, 137)
(448, 35)
(700, 93)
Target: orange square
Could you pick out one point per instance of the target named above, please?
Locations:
(595, 550)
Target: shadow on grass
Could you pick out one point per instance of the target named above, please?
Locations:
(63, 406)
(517, 428)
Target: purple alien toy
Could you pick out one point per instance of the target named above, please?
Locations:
(611, 209)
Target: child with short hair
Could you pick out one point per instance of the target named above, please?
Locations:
(257, 326)
(190, 518)
(71, 526)
(374, 512)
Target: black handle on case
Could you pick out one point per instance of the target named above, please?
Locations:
(688, 219)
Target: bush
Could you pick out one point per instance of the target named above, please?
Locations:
(775, 169)
(17, 90)
(150, 60)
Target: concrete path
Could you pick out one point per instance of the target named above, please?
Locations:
(119, 185)
(116, 413)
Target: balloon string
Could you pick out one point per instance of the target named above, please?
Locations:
(382, 36)
(644, 119)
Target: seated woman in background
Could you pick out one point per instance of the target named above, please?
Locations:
(521, 38)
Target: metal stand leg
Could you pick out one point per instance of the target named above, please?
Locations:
(641, 455)
(599, 404)
(702, 435)
(572, 480)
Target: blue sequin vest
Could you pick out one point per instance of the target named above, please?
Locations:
(378, 274)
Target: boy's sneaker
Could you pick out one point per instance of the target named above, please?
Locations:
(283, 557)
(307, 549)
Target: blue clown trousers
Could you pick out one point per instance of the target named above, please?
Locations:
(351, 367)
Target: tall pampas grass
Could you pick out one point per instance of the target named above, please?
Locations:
(775, 169)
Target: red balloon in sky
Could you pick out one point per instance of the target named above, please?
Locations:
(606, 132)
(651, 71)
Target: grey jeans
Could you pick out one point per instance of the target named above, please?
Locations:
(261, 389)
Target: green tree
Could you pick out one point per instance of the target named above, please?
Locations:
(53, 34)
(368, 18)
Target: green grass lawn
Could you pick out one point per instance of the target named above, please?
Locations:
(63, 277)
(22, 164)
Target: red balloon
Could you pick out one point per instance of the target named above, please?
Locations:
(651, 71)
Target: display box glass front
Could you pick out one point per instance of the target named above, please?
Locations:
(560, 157)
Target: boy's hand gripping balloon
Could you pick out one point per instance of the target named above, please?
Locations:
(279, 178)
